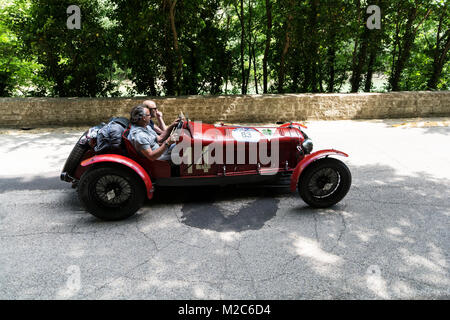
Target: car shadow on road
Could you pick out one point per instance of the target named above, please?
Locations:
(229, 208)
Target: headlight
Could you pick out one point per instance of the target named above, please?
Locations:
(307, 146)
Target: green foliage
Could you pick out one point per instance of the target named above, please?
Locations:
(76, 62)
(18, 72)
(182, 47)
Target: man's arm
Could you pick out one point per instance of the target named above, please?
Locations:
(157, 129)
(163, 136)
(153, 155)
(161, 124)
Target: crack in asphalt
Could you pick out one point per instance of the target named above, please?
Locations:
(224, 275)
(86, 295)
(212, 284)
(341, 233)
(252, 279)
(144, 234)
(402, 203)
(393, 202)
(49, 233)
(316, 233)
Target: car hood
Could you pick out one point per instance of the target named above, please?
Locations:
(212, 133)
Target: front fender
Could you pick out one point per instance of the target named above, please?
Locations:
(136, 167)
(308, 159)
(292, 124)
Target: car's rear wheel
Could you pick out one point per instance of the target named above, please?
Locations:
(324, 183)
(111, 192)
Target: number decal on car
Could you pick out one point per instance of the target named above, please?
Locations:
(246, 135)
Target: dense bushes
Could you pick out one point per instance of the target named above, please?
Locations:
(179, 47)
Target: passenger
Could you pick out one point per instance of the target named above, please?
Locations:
(155, 114)
(145, 140)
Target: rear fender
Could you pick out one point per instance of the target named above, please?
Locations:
(307, 160)
(136, 167)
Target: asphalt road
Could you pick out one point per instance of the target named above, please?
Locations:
(388, 239)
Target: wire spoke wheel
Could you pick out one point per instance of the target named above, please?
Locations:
(324, 182)
(112, 190)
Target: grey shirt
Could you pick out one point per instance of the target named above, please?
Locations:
(143, 138)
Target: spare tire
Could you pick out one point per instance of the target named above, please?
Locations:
(73, 160)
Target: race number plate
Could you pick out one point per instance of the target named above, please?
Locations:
(246, 135)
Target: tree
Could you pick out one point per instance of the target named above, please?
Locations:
(78, 62)
(415, 13)
(19, 72)
(267, 43)
(179, 47)
(441, 47)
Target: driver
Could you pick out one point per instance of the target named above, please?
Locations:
(145, 140)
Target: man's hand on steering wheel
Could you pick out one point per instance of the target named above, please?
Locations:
(180, 123)
(176, 123)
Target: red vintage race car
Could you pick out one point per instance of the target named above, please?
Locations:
(114, 185)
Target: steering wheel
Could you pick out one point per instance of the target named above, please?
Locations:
(187, 126)
(180, 124)
(183, 119)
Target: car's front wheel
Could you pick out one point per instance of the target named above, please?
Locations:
(111, 192)
(324, 183)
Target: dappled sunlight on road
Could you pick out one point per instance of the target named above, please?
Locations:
(387, 239)
(34, 153)
(309, 248)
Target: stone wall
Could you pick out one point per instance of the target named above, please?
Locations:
(35, 112)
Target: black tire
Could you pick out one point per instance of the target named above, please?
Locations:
(324, 182)
(99, 183)
(74, 158)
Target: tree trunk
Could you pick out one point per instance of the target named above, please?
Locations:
(374, 46)
(152, 87)
(268, 38)
(369, 75)
(438, 65)
(254, 68)
(283, 57)
(331, 69)
(250, 45)
(228, 60)
(172, 4)
(439, 58)
(242, 44)
(169, 84)
(360, 62)
(281, 72)
(405, 49)
(357, 38)
(314, 48)
(331, 59)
